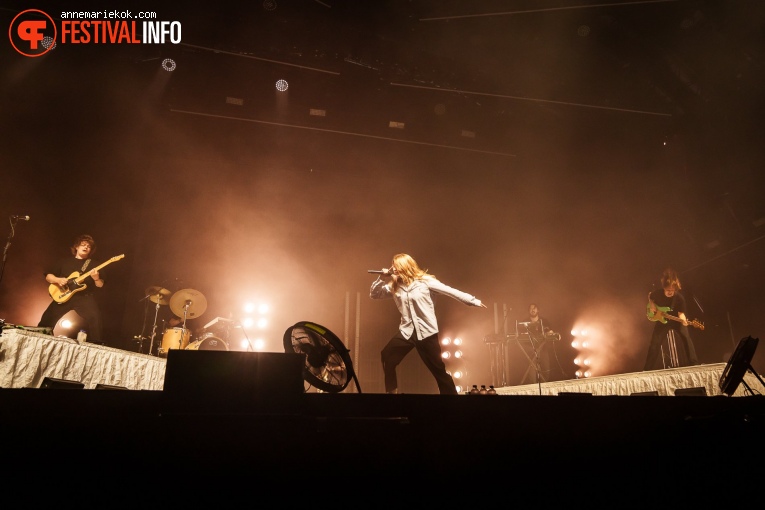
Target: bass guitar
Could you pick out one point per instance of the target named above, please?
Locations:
(63, 293)
(661, 315)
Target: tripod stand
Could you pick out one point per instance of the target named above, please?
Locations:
(534, 344)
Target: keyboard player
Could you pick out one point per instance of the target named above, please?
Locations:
(541, 334)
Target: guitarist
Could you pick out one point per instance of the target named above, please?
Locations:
(84, 301)
(668, 297)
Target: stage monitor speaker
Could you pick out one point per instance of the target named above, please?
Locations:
(652, 393)
(232, 382)
(100, 386)
(738, 364)
(691, 392)
(61, 384)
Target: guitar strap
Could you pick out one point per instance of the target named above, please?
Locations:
(85, 265)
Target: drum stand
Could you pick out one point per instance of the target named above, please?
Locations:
(183, 326)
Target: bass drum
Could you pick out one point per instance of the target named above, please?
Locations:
(208, 343)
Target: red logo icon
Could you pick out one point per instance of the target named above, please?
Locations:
(32, 33)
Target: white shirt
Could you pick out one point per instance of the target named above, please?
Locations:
(415, 303)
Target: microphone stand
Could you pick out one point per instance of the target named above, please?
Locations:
(7, 245)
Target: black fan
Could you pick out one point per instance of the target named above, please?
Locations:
(328, 365)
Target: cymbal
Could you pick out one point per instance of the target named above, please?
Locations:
(158, 295)
(190, 301)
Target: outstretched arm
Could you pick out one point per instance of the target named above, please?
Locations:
(463, 297)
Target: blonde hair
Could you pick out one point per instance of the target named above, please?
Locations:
(408, 270)
(670, 279)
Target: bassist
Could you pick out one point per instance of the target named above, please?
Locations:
(83, 301)
(668, 299)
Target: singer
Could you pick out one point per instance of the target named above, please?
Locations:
(83, 302)
(411, 289)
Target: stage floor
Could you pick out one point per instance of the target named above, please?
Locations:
(212, 444)
(663, 382)
(130, 445)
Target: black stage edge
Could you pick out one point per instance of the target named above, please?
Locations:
(559, 449)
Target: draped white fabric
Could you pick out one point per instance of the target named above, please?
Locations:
(665, 382)
(26, 358)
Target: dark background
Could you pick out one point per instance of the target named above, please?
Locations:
(605, 142)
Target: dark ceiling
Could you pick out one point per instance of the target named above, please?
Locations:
(562, 152)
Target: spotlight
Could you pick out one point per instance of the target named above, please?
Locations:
(282, 85)
(458, 354)
(168, 64)
(457, 374)
(446, 354)
(48, 43)
(446, 341)
(457, 341)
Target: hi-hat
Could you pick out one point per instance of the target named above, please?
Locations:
(189, 303)
(158, 295)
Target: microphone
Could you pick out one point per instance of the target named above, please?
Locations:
(376, 271)
(25, 218)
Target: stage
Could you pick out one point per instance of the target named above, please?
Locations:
(209, 443)
(661, 382)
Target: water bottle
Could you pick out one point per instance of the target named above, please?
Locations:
(474, 390)
(492, 390)
(483, 390)
(82, 336)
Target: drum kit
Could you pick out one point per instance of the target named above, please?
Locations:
(185, 304)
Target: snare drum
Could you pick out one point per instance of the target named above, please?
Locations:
(208, 343)
(175, 338)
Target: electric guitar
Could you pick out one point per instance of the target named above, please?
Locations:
(661, 315)
(63, 293)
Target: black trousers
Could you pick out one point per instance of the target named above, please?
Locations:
(85, 306)
(659, 334)
(429, 350)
